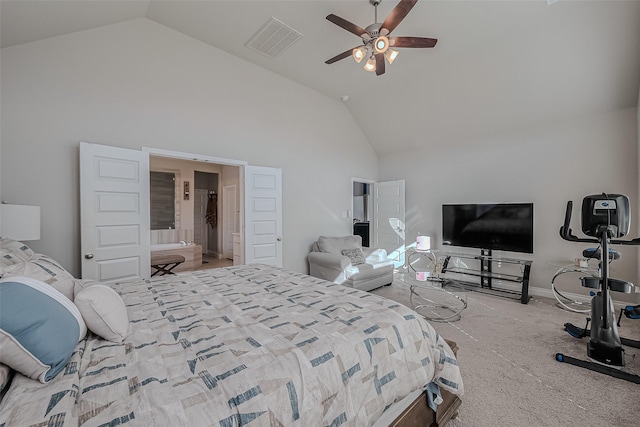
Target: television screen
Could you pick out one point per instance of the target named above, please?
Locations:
(497, 226)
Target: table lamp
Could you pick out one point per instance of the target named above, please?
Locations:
(423, 243)
(20, 222)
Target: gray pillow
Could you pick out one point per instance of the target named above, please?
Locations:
(355, 255)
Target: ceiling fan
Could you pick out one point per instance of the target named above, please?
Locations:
(376, 40)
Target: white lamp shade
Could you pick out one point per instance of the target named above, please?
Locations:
(391, 55)
(359, 53)
(20, 222)
(423, 243)
(370, 65)
(381, 44)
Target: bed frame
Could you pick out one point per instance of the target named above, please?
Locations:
(418, 413)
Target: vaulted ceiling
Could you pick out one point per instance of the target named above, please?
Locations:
(498, 65)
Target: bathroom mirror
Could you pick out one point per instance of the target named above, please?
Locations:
(162, 186)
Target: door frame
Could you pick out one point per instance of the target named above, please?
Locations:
(159, 152)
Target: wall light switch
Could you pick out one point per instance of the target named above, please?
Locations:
(344, 214)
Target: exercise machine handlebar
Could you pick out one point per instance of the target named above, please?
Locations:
(567, 234)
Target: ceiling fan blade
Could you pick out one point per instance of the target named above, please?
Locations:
(379, 64)
(412, 42)
(343, 23)
(340, 56)
(397, 14)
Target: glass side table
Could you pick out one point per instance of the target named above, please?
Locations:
(435, 298)
(563, 300)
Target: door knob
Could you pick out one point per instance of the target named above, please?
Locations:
(279, 239)
(88, 256)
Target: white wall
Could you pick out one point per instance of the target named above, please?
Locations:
(547, 165)
(139, 84)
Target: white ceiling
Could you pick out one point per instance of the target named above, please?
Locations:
(498, 65)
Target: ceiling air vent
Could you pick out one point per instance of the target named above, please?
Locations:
(273, 38)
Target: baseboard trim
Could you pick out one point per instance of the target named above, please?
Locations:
(548, 293)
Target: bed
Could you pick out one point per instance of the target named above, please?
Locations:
(245, 345)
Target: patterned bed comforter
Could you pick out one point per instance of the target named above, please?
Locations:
(250, 345)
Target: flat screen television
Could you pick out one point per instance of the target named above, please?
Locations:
(495, 226)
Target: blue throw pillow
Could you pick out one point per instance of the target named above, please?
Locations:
(39, 327)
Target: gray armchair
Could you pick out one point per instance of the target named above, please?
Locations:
(367, 270)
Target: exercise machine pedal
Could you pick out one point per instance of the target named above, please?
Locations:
(630, 311)
(576, 331)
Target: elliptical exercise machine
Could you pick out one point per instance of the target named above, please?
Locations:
(607, 218)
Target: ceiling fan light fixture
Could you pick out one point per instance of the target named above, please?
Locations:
(359, 53)
(377, 40)
(371, 64)
(391, 55)
(381, 44)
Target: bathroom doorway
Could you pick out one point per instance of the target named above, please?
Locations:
(199, 215)
(362, 208)
(205, 213)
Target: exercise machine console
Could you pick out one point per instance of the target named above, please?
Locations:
(605, 218)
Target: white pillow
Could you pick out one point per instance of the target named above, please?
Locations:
(104, 312)
(13, 252)
(46, 269)
(39, 328)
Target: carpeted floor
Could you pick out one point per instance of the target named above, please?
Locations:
(510, 375)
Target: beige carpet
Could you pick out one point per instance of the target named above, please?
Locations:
(510, 375)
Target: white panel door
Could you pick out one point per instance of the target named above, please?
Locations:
(263, 215)
(114, 212)
(389, 228)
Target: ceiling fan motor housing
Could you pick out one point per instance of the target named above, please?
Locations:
(373, 30)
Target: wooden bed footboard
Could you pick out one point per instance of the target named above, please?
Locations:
(418, 414)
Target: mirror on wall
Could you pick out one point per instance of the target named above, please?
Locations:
(163, 200)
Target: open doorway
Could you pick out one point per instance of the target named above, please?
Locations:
(362, 208)
(200, 223)
(205, 216)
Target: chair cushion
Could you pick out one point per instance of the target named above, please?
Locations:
(337, 244)
(355, 255)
